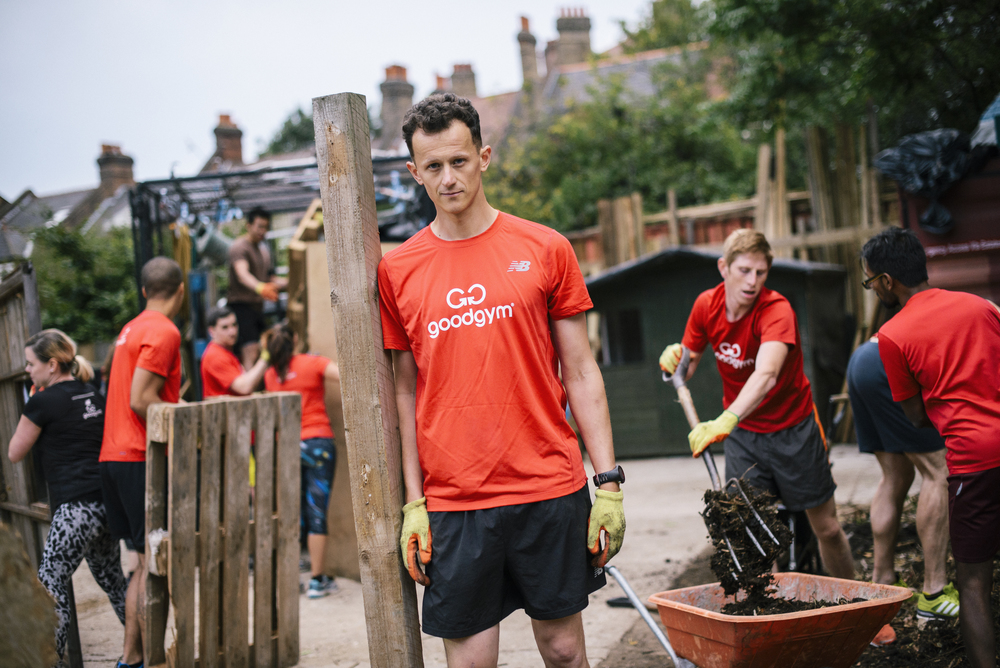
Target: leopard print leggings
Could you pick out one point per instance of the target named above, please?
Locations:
(80, 531)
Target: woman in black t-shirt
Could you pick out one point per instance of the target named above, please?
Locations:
(64, 419)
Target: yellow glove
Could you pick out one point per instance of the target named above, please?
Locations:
(670, 358)
(269, 291)
(415, 539)
(607, 515)
(713, 431)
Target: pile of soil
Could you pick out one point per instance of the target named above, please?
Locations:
(929, 644)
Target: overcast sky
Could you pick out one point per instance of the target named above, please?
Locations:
(153, 76)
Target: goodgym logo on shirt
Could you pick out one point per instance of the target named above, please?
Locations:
(729, 353)
(458, 299)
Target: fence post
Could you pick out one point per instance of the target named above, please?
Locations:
(343, 153)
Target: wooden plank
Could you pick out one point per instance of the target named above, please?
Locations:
(157, 600)
(183, 490)
(638, 228)
(27, 511)
(675, 236)
(821, 196)
(263, 589)
(32, 308)
(213, 422)
(762, 203)
(344, 159)
(288, 479)
(606, 223)
(832, 237)
(235, 518)
(780, 222)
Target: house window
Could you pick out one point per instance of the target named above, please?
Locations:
(622, 337)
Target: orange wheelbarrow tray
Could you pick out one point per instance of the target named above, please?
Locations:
(832, 637)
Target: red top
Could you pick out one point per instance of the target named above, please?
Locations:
(151, 342)
(219, 368)
(946, 346)
(736, 345)
(305, 376)
(491, 410)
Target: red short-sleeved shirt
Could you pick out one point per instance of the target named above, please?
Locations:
(305, 376)
(491, 421)
(219, 368)
(946, 346)
(736, 345)
(151, 342)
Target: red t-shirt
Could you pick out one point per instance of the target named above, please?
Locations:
(946, 346)
(736, 345)
(151, 342)
(305, 376)
(491, 420)
(219, 368)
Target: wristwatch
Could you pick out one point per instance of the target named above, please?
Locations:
(617, 474)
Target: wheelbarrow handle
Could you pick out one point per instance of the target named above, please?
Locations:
(677, 379)
(641, 609)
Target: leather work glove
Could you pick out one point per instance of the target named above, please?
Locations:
(713, 431)
(415, 539)
(670, 358)
(607, 515)
(268, 291)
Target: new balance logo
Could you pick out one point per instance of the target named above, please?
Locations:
(519, 265)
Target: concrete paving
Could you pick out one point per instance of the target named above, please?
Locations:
(662, 502)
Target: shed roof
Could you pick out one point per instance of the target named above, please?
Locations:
(669, 258)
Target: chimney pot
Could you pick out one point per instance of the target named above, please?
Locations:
(115, 169)
(395, 73)
(524, 24)
(442, 83)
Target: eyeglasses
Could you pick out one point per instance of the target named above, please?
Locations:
(867, 283)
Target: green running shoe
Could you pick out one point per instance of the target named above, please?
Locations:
(945, 606)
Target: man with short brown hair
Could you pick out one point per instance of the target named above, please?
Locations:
(769, 428)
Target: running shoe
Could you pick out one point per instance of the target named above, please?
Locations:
(321, 586)
(945, 606)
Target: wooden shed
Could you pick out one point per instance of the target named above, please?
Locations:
(643, 307)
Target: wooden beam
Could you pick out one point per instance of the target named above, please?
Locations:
(847, 235)
(606, 223)
(780, 225)
(763, 198)
(638, 229)
(675, 235)
(343, 153)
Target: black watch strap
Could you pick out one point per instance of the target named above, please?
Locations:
(616, 474)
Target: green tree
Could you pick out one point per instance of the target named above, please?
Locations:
(86, 283)
(669, 23)
(618, 143)
(297, 133)
(926, 64)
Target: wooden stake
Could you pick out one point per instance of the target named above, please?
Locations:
(343, 153)
(762, 210)
(675, 237)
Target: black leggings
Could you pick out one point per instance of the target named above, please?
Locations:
(80, 531)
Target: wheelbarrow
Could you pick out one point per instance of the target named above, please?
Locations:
(830, 637)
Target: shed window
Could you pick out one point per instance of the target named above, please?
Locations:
(623, 337)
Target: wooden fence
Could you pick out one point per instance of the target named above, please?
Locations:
(198, 491)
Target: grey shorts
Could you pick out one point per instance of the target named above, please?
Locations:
(792, 463)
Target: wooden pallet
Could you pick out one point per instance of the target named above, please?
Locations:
(198, 490)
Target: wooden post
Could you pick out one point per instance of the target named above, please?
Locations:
(762, 210)
(609, 240)
(779, 222)
(675, 236)
(819, 184)
(343, 153)
(638, 225)
(621, 210)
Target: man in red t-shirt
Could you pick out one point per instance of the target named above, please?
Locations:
(146, 370)
(942, 356)
(222, 374)
(481, 311)
(772, 438)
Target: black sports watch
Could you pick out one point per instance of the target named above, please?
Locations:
(617, 474)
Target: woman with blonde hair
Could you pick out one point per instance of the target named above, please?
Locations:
(306, 374)
(64, 420)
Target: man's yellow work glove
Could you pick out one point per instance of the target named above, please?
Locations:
(670, 358)
(713, 431)
(607, 515)
(415, 538)
(269, 291)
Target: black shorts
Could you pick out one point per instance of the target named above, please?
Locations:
(792, 463)
(880, 423)
(485, 564)
(124, 488)
(250, 318)
(974, 515)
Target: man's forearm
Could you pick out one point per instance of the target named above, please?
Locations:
(248, 381)
(413, 475)
(750, 397)
(589, 404)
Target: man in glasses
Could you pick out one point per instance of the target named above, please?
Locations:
(942, 357)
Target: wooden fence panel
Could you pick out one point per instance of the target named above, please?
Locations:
(236, 520)
(263, 515)
(183, 496)
(288, 497)
(209, 532)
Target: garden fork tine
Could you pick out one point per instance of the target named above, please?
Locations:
(760, 520)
